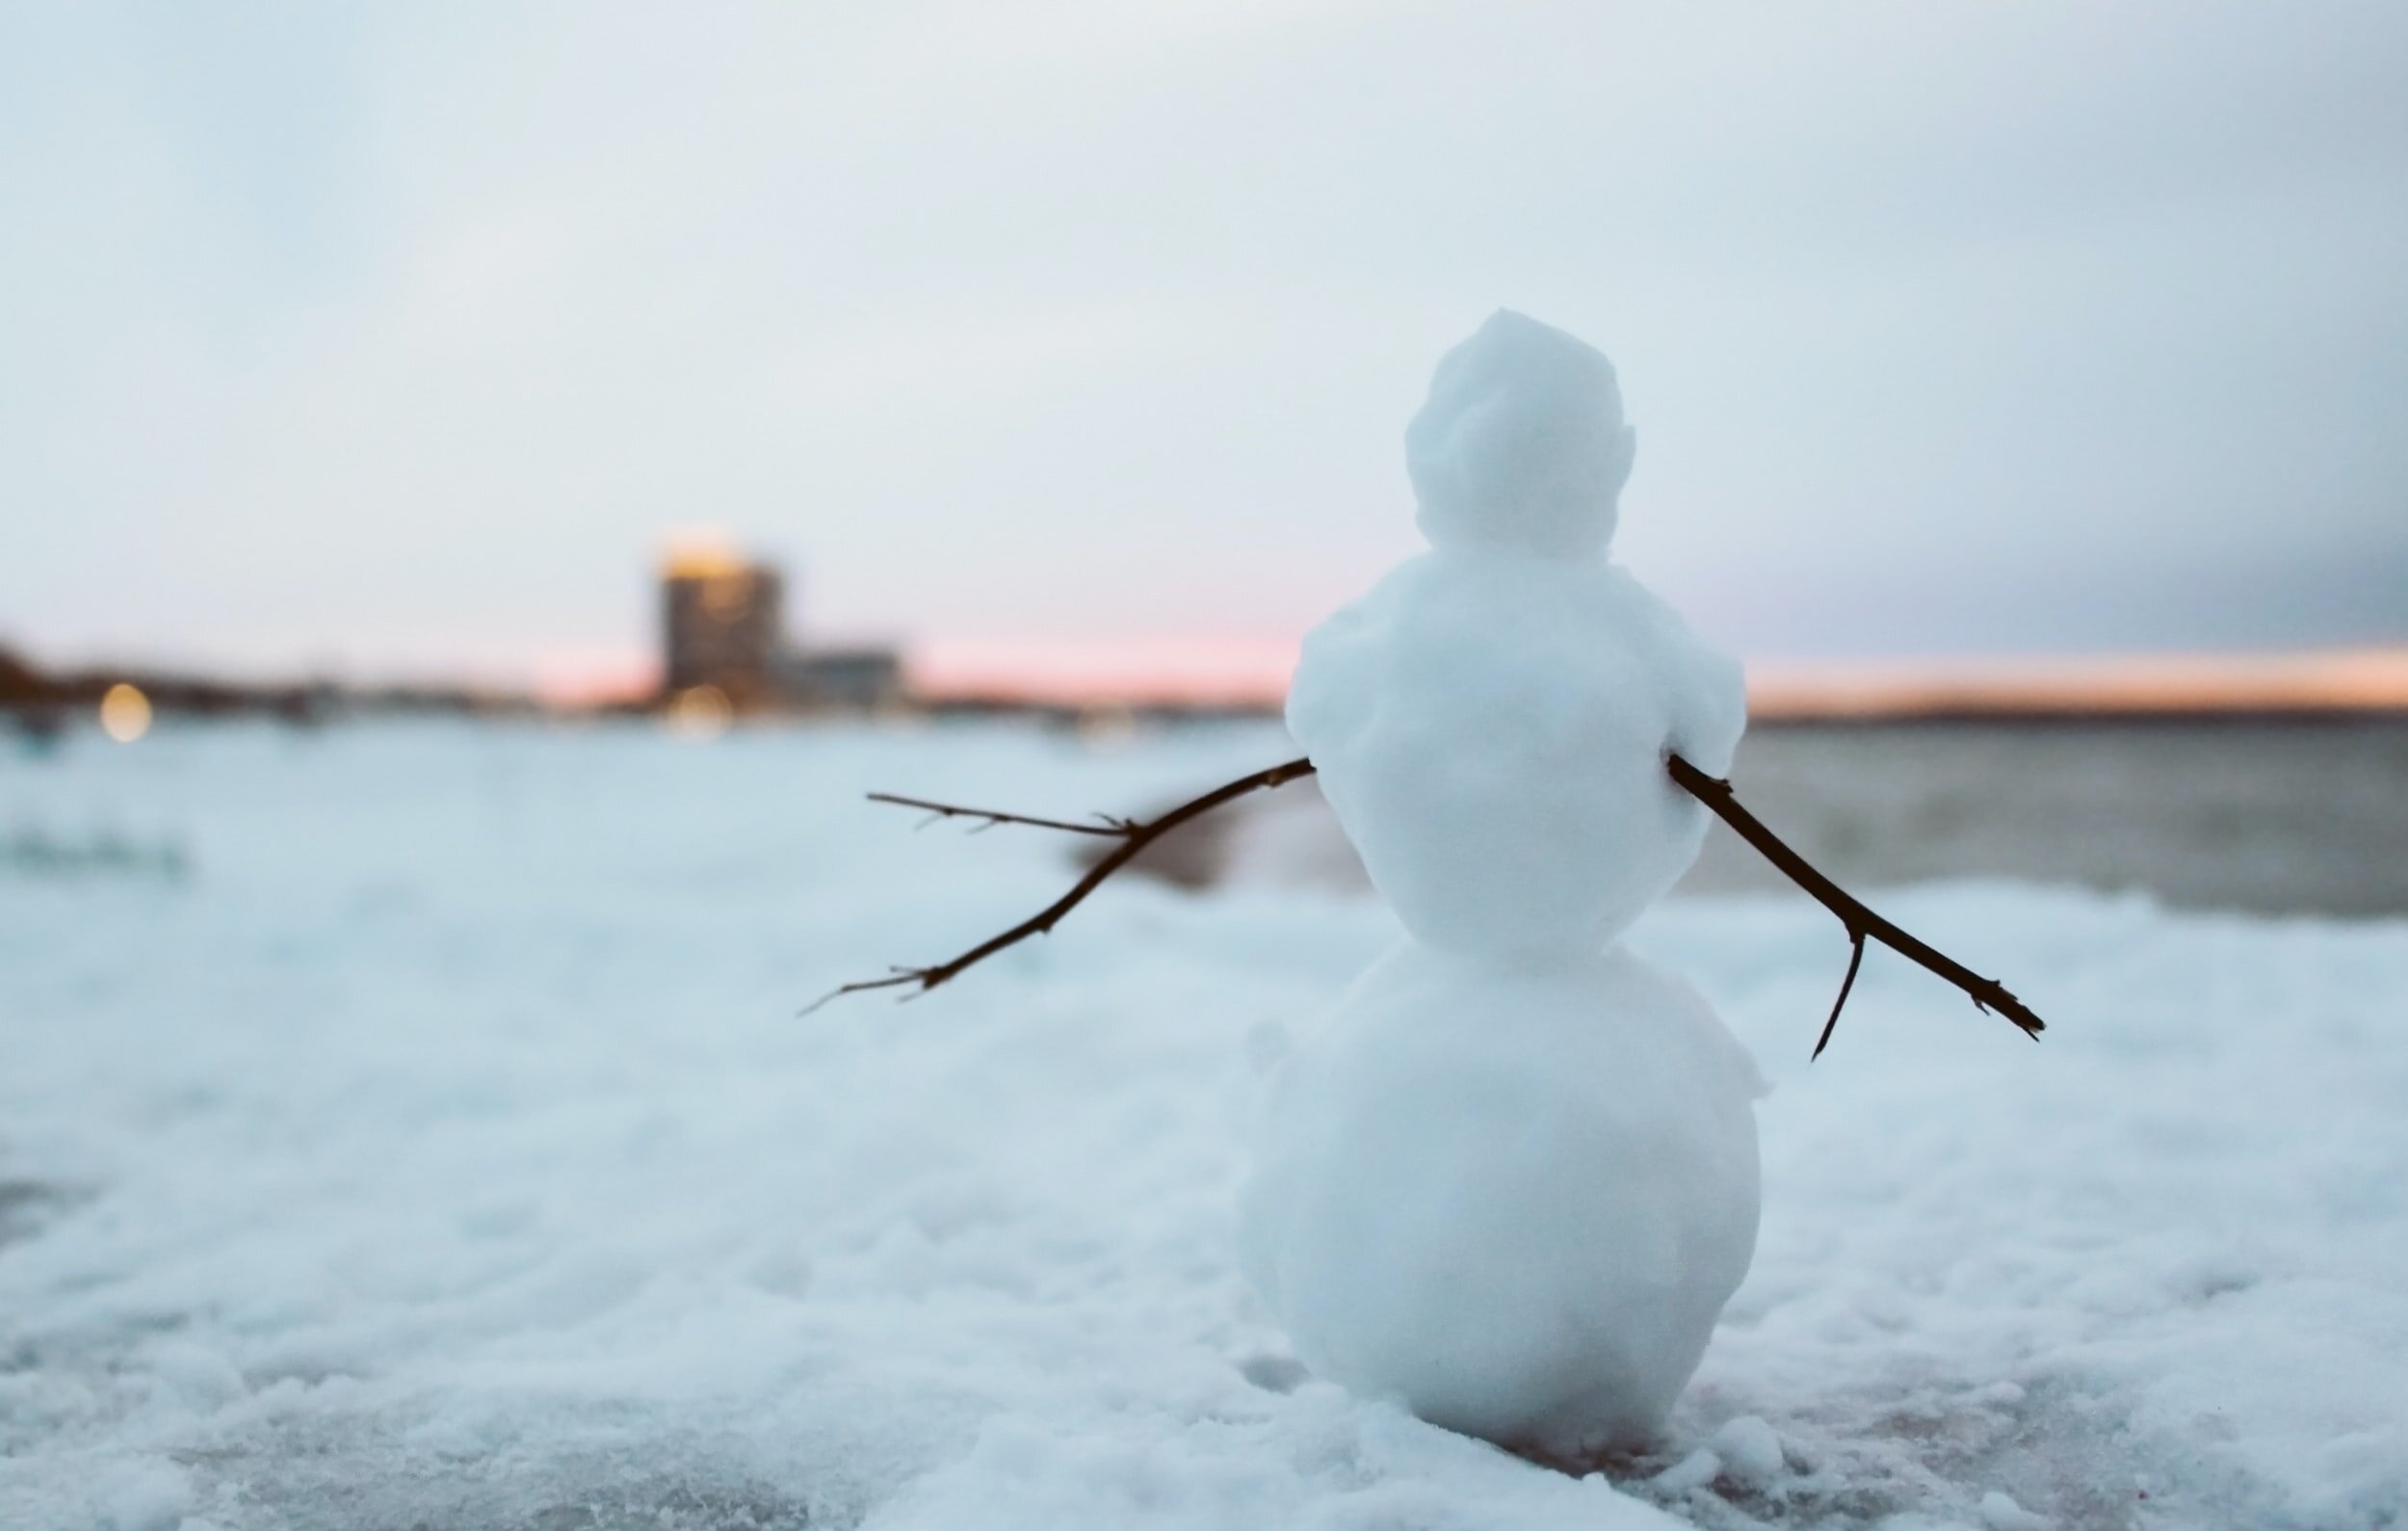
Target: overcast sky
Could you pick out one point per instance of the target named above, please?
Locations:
(394, 339)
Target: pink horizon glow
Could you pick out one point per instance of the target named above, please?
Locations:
(1191, 670)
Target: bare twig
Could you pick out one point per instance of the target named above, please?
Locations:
(1987, 993)
(1862, 923)
(1855, 960)
(1109, 828)
(1133, 837)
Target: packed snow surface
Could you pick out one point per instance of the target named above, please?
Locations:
(1491, 728)
(443, 1151)
(1513, 1183)
(1513, 1180)
(1512, 1195)
(1491, 721)
(1521, 442)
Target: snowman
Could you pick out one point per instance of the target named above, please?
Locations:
(1511, 1181)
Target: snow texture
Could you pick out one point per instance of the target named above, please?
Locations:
(1491, 729)
(444, 1153)
(1490, 721)
(1513, 1181)
(1521, 444)
(1513, 1195)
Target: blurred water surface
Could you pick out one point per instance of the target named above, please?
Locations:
(2306, 817)
(2265, 817)
(2302, 817)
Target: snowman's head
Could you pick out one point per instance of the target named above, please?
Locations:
(1521, 444)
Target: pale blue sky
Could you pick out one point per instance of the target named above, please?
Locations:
(391, 340)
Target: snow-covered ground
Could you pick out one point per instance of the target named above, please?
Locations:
(442, 1150)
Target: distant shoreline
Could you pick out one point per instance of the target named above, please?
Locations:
(2360, 686)
(2077, 717)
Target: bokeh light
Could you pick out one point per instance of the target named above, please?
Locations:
(699, 712)
(125, 712)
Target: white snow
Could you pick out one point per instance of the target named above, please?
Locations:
(445, 1152)
(1512, 1182)
(2000, 1513)
(1490, 721)
(1491, 729)
(1752, 1448)
(1501, 1192)
(1521, 444)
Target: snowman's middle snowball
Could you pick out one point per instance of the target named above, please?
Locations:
(1491, 728)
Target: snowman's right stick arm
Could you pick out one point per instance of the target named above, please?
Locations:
(1863, 924)
(1134, 836)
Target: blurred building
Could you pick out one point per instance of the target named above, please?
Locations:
(724, 626)
(849, 680)
(722, 623)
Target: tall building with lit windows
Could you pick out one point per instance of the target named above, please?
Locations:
(724, 626)
(723, 623)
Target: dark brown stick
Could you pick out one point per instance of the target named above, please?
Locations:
(1862, 923)
(1987, 993)
(1132, 836)
(1855, 960)
(1109, 828)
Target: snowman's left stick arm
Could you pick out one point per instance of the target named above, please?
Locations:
(1717, 793)
(1863, 924)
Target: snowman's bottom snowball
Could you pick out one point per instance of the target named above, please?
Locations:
(1513, 1195)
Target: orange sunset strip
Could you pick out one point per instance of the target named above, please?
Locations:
(2368, 680)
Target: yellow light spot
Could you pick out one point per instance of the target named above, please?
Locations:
(699, 712)
(700, 553)
(124, 713)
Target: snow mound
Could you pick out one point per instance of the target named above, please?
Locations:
(445, 1153)
(1512, 1197)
